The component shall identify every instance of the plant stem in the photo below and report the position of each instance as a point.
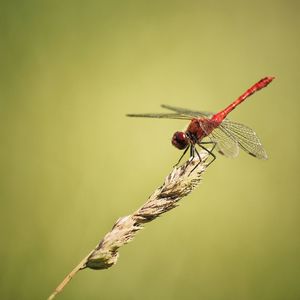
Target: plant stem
(67, 279)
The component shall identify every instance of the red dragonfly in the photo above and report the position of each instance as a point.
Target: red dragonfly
(225, 135)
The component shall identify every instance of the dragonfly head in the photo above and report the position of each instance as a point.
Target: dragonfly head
(180, 140)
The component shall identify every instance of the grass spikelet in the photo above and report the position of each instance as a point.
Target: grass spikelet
(178, 184)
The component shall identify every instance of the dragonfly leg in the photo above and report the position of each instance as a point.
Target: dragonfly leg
(192, 152)
(192, 155)
(209, 151)
(195, 150)
(209, 143)
(186, 149)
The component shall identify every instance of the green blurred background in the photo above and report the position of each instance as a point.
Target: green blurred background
(72, 163)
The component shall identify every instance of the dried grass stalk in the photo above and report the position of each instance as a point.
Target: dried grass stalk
(178, 184)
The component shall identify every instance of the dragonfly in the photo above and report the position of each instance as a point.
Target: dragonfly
(206, 128)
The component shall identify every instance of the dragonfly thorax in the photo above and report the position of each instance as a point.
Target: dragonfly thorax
(180, 140)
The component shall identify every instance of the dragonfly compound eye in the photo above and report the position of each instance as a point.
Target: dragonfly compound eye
(180, 140)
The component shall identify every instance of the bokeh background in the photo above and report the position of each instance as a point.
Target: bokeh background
(72, 163)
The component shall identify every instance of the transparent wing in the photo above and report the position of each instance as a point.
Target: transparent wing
(225, 144)
(245, 137)
(179, 113)
(188, 112)
(161, 116)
